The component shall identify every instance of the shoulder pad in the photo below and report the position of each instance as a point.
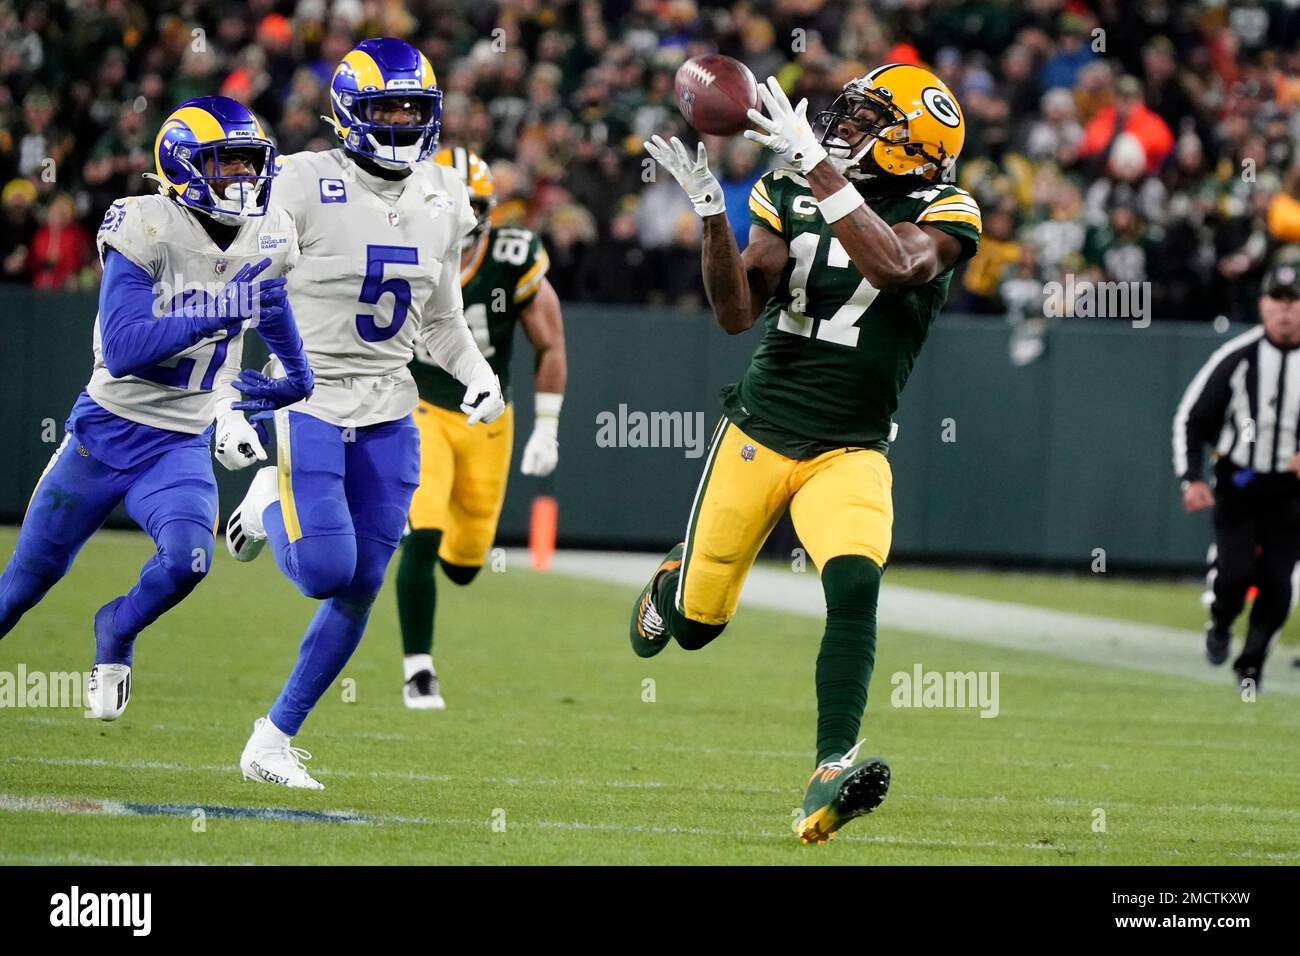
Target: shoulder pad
(132, 226)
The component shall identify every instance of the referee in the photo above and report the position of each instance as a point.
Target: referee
(1245, 402)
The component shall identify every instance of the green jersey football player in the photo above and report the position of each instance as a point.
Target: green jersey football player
(851, 249)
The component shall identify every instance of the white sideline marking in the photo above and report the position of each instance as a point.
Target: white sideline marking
(1077, 637)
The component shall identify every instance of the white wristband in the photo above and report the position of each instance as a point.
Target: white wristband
(840, 203)
(547, 404)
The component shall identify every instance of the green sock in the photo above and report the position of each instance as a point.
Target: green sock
(848, 652)
(417, 594)
(691, 635)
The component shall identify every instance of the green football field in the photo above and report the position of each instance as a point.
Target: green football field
(550, 751)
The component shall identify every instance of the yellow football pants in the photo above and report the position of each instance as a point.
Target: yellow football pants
(463, 474)
(841, 503)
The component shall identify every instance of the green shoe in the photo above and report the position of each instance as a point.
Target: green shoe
(841, 791)
(648, 632)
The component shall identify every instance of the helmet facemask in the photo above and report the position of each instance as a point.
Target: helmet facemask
(242, 191)
(871, 121)
(371, 132)
(482, 206)
(235, 175)
(855, 120)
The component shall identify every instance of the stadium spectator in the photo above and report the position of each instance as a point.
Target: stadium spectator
(998, 252)
(40, 145)
(119, 158)
(60, 248)
(17, 228)
(1071, 55)
(739, 171)
(1128, 116)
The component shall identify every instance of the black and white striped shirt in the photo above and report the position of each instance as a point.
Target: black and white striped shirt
(1245, 401)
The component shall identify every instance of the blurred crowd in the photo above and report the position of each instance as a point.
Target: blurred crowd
(1146, 140)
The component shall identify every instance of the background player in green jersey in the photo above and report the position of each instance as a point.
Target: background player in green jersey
(850, 253)
(464, 471)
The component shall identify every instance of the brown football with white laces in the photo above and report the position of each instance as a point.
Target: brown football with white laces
(715, 93)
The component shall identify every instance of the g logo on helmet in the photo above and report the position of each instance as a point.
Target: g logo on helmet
(941, 106)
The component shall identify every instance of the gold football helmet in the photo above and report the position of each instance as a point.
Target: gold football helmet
(899, 119)
(477, 178)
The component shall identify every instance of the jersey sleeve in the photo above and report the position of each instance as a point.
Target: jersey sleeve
(131, 227)
(955, 212)
(530, 280)
(763, 209)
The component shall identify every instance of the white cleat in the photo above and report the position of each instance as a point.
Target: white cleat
(273, 761)
(108, 691)
(245, 533)
(422, 692)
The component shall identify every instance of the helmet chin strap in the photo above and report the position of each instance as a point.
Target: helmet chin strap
(847, 166)
(231, 210)
(413, 151)
(231, 215)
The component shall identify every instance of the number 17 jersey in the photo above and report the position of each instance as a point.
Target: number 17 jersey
(836, 351)
(379, 258)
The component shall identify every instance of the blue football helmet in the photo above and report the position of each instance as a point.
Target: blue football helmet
(195, 139)
(391, 72)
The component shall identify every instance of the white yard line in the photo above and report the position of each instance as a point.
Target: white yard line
(1076, 637)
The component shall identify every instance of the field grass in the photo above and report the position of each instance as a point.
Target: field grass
(547, 730)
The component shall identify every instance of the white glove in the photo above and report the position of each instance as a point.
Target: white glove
(483, 401)
(237, 443)
(701, 186)
(542, 453)
(788, 133)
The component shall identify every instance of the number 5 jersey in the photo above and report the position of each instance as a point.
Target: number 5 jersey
(380, 267)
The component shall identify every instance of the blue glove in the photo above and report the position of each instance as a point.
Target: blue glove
(258, 422)
(240, 300)
(262, 394)
(279, 331)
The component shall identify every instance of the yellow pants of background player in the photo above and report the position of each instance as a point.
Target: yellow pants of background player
(841, 503)
(463, 474)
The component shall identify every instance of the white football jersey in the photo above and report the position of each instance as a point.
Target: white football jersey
(164, 239)
(379, 258)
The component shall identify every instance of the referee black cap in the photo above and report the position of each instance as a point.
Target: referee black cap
(1282, 281)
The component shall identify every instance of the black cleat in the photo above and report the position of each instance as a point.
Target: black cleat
(842, 791)
(422, 692)
(1217, 641)
(648, 631)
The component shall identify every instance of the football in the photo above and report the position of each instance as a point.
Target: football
(715, 94)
